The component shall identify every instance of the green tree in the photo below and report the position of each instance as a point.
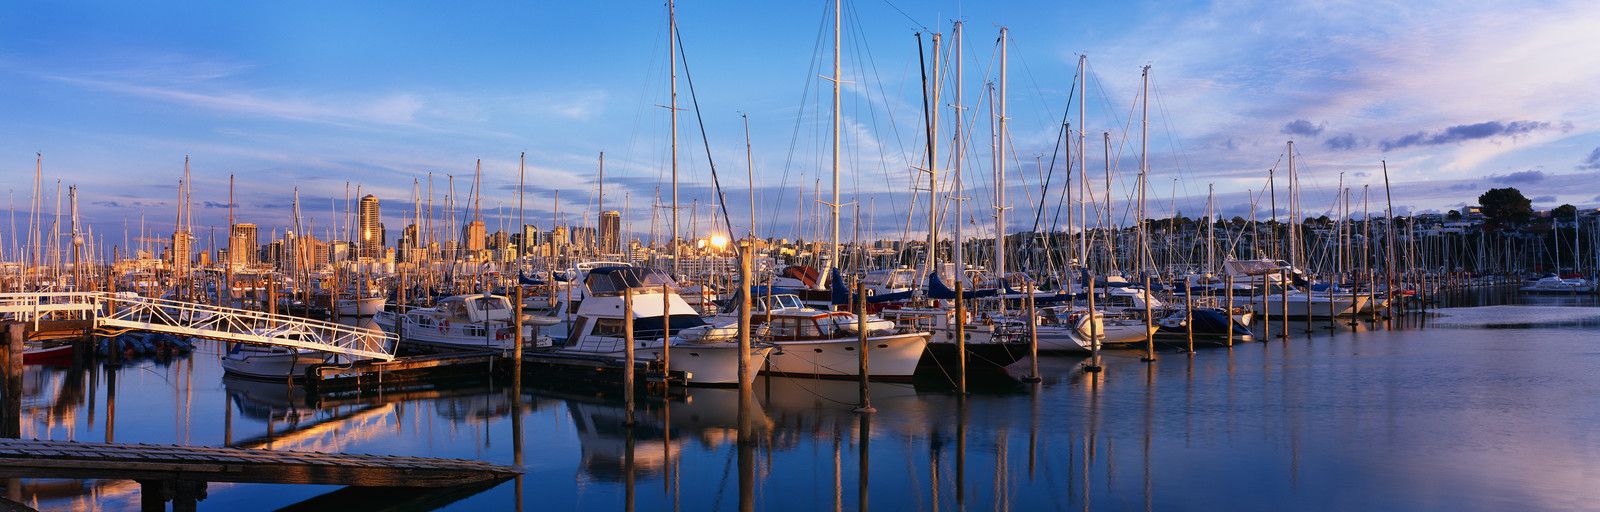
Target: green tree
(1565, 211)
(1504, 207)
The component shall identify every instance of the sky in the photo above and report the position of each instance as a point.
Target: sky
(312, 97)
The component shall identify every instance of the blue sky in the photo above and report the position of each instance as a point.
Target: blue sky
(1458, 97)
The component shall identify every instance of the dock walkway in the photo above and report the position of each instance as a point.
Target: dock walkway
(180, 473)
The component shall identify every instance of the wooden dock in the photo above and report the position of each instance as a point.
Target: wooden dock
(180, 473)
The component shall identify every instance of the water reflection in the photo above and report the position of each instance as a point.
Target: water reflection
(1412, 414)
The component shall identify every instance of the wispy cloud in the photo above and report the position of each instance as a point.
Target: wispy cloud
(1465, 132)
(1303, 127)
(1592, 162)
(1519, 177)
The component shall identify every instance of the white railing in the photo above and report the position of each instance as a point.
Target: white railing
(128, 311)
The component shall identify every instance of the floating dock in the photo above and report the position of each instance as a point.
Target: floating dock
(179, 473)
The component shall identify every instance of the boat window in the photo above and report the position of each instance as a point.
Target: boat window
(457, 309)
(489, 303)
(608, 327)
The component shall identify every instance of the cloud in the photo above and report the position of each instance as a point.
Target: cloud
(1465, 132)
(1344, 142)
(214, 204)
(1519, 177)
(1544, 199)
(1592, 162)
(1303, 127)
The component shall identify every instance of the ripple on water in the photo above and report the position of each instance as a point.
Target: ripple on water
(1513, 316)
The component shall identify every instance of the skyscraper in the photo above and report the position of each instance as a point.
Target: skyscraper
(369, 230)
(242, 248)
(611, 232)
(476, 237)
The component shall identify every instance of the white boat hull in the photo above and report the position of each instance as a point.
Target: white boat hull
(892, 357)
(369, 306)
(271, 365)
(1319, 307)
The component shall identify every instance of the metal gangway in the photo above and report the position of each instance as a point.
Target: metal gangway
(122, 312)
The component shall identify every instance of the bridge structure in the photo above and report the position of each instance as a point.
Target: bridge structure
(109, 313)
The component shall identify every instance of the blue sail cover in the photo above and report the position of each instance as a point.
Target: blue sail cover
(938, 290)
(838, 292)
(527, 281)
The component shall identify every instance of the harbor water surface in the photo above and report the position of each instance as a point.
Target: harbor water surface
(1456, 414)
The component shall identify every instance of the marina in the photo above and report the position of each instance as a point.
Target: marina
(597, 256)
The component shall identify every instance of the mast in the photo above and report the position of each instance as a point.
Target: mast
(1000, 170)
(600, 186)
(1144, 167)
(833, 207)
(749, 174)
(672, 106)
(1111, 231)
(956, 257)
(1294, 245)
(1083, 172)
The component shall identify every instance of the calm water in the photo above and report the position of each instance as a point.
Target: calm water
(1452, 417)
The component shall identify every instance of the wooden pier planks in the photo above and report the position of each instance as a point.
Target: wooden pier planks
(65, 459)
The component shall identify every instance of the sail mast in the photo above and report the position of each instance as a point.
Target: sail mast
(956, 258)
(1083, 170)
(1000, 171)
(672, 107)
(833, 207)
(1144, 168)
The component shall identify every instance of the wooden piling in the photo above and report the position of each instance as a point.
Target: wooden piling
(1283, 298)
(961, 340)
(865, 403)
(1227, 313)
(1149, 340)
(1266, 308)
(11, 422)
(666, 330)
(1094, 333)
(627, 355)
(1188, 312)
(1033, 338)
(746, 281)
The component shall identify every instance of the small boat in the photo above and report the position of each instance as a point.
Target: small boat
(272, 361)
(1554, 284)
(460, 322)
(709, 356)
(50, 353)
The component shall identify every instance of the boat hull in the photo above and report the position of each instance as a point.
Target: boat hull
(892, 358)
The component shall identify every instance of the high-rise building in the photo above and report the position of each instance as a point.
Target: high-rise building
(530, 239)
(611, 232)
(242, 253)
(476, 237)
(410, 250)
(182, 248)
(369, 229)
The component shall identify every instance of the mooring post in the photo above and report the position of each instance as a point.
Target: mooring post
(1094, 332)
(1149, 337)
(627, 354)
(746, 282)
(1333, 323)
(1227, 312)
(1266, 307)
(12, 422)
(1188, 311)
(1310, 291)
(865, 403)
(1033, 338)
(961, 340)
(666, 334)
(1283, 298)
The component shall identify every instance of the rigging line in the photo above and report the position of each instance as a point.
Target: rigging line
(694, 98)
(799, 118)
(1177, 145)
(914, 22)
(1061, 134)
(863, 46)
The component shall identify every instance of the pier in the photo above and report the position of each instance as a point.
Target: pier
(179, 473)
